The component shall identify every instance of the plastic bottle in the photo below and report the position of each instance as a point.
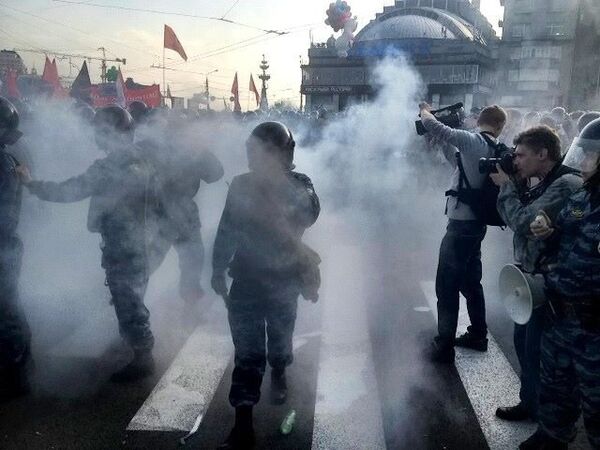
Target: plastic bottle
(288, 422)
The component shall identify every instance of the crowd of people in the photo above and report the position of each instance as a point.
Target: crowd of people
(142, 205)
(548, 194)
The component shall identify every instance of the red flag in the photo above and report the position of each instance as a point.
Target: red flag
(253, 89)
(171, 42)
(235, 90)
(50, 75)
(11, 85)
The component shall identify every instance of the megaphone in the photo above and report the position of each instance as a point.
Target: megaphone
(521, 293)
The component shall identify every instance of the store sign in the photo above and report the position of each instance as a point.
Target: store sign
(335, 89)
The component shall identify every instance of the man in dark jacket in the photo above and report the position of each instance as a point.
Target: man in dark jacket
(121, 202)
(14, 331)
(259, 240)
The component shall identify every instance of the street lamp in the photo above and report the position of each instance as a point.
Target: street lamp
(207, 92)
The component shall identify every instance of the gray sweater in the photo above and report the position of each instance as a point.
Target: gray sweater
(472, 147)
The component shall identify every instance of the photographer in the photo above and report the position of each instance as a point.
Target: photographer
(537, 155)
(570, 349)
(459, 269)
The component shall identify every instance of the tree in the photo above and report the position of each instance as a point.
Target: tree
(112, 74)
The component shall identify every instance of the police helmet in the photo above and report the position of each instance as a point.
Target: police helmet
(113, 127)
(9, 123)
(138, 110)
(114, 117)
(271, 138)
(584, 154)
(587, 118)
(85, 111)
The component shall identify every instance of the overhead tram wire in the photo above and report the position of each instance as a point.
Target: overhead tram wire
(230, 9)
(87, 33)
(171, 13)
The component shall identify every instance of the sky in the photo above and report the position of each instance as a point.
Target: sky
(210, 45)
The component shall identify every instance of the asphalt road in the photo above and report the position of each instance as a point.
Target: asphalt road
(359, 379)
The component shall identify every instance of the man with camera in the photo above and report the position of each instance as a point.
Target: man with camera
(570, 349)
(459, 268)
(537, 156)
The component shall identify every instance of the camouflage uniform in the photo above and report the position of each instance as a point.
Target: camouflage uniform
(121, 203)
(180, 177)
(260, 228)
(570, 371)
(518, 211)
(14, 331)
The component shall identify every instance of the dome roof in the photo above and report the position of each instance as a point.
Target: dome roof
(416, 23)
(406, 27)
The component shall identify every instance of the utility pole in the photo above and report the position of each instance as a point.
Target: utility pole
(264, 102)
(207, 93)
(301, 96)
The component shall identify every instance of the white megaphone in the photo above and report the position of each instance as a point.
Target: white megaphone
(521, 293)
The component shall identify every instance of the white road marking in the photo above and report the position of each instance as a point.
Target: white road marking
(490, 381)
(347, 409)
(182, 396)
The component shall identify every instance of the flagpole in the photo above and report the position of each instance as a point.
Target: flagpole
(164, 79)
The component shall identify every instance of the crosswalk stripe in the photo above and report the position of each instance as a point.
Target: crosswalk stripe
(182, 396)
(490, 381)
(347, 410)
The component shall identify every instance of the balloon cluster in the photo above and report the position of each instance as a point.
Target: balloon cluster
(338, 14)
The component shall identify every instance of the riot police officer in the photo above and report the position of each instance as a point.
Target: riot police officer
(120, 188)
(181, 172)
(14, 331)
(258, 239)
(570, 362)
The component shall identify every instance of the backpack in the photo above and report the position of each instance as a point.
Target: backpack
(482, 201)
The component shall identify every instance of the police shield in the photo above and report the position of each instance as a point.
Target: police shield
(521, 293)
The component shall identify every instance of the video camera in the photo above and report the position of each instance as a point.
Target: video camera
(505, 159)
(451, 116)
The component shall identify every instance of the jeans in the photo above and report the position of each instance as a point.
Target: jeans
(527, 339)
(459, 271)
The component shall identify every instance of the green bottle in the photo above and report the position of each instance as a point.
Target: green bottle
(288, 423)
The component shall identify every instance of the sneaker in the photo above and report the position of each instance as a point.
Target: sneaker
(440, 353)
(141, 367)
(542, 441)
(278, 387)
(515, 413)
(469, 340)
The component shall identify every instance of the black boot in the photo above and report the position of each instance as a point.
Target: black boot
(541, 441)
(142, 366)
(278, 387)
(472, 341)
(14, 382)
(515, 413)
(441, 352)
(242, 434)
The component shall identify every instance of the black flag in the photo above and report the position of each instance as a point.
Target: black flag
(80, 89)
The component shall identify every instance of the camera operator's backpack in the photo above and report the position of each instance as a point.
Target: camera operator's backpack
(482, 201)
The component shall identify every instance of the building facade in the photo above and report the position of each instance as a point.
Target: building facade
(455, 57)
(548, 55)
(11, 61)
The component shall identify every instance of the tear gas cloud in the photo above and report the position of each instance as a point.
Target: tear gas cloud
(378, 185)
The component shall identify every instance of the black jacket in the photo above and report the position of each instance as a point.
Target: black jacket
(262, 225)
(11, 190)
